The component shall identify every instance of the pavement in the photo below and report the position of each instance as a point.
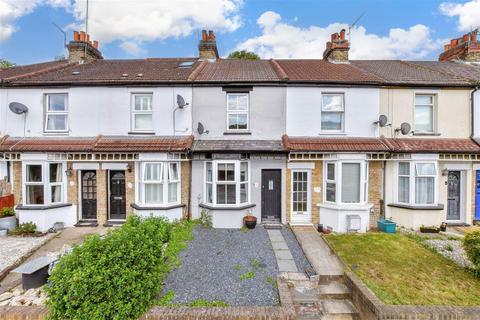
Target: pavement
(65, 238)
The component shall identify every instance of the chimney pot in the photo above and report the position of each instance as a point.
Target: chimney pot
(88, 38)
(82, 36)
(76, 36)
(337, 49)
(473, 36)
(207, 47)
(342, 34)
(204, 35)
(95, 44)
(454, 43)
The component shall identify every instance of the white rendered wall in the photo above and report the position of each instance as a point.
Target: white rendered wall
(44, 219)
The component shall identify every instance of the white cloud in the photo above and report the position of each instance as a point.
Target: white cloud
(132, 22)
(283, 40)
(136, 21)
(133, 48)
(468, 13)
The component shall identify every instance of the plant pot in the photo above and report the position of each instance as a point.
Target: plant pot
(429, 230)
(320, 227)
(443, 227)
(250, 222)
(8, 223)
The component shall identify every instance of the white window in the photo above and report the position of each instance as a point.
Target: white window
(44, 183)
(300, 192)
(160, 183)
(237, 111)
(424, 112)
(56, 112)
(416, 183)
(142, 112)
(227, 182)
(333, 112)
(346, 182)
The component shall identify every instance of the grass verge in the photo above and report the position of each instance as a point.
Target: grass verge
(399, 270)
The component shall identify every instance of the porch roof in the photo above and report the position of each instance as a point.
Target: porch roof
(238, 145)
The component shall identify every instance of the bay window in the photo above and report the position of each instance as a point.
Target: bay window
(56, 113)
(160, 183)
(333, 109)
(416, 182)
(346, 182)
(43, 183)
(227, 182)
(142, 112)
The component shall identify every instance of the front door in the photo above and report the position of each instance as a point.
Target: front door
(89, 195)
(117, 205)
(271, 194)
(454, 195)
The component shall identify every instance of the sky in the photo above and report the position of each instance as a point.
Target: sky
(129, 29)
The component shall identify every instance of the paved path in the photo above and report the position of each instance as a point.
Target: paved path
(284, 257)
(325, 263)
(68, 237)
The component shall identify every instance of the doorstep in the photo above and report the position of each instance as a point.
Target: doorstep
(114, 223)
(86, 223)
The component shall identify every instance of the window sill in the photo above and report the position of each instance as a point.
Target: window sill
(149, 133)
(228, 133)
(333, 133)
(42, 207)
(56, 133)
(222, 207)
(417, 207)
(426, 134)
(345, 206)
(167, 207)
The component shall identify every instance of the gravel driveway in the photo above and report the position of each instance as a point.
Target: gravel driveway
(230, 265)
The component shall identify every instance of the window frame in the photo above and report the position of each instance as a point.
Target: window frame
(237, 112)
(48, 112)
(237, 182)
(47, 185)
(134, 112)
(165, 181)
(363, 183)
(342, 129)
(308, 173)
(432, 105)
(413, 183)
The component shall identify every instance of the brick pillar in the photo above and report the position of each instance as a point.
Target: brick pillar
(102, 195)
(375, 190)
(17, 181)
(72, 185)
(130, 188)
(317, 197)
(288, 196)
(185, 186)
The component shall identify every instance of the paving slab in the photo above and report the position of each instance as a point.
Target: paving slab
(279, 246)
(283, 255)
(338, 307)
(287, 266)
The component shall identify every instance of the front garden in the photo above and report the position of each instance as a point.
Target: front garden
(403, 270)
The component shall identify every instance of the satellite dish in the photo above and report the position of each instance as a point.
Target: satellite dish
(405, 128)
(201, 129)
(181, 102)
(382, 120)
(18, 108)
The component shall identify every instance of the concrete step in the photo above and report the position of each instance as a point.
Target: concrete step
(330, 277)
(304, 295)
(272, 226)
(334, 290)
(338, 309)
(307, 312)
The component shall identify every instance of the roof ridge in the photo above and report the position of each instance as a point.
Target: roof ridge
(278, 69)
(194, 74)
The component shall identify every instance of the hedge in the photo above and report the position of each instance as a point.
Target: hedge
(116, 277)
(471, 243)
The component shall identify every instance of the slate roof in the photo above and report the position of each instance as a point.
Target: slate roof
(396, 72)
(116, 72)
(382, 144)
(237, 145)
(97, 144)
(16, 72)
(233, 70)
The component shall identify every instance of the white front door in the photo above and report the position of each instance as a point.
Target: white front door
(301, 198)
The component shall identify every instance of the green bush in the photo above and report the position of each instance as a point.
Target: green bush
(24, 229)
(471, 244)
(116, 277)
(7, 212)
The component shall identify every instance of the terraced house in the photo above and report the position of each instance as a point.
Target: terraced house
(332, 141)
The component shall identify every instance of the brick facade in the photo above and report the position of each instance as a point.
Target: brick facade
(185, 169)
(130, 188)
(72, 185)
(102, 197)
(17, 182)
(375, 190)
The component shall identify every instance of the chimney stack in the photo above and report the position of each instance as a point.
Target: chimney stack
(337, 48)
(81, 49)
(207, 48)
(465, 48)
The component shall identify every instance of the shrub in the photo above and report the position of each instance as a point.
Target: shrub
(7, 212)
(471, 243)
(26, 228)
(205, 219)
(116, 277)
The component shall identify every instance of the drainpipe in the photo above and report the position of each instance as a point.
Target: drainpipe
(472, 103)
(384, 189)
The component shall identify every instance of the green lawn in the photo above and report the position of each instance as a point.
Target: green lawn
(401, 271)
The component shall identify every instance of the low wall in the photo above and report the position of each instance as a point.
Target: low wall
(7, 201)
(285, 311)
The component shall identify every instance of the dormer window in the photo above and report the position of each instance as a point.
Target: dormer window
(142, 112)
(237, 111)
(56, 113)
